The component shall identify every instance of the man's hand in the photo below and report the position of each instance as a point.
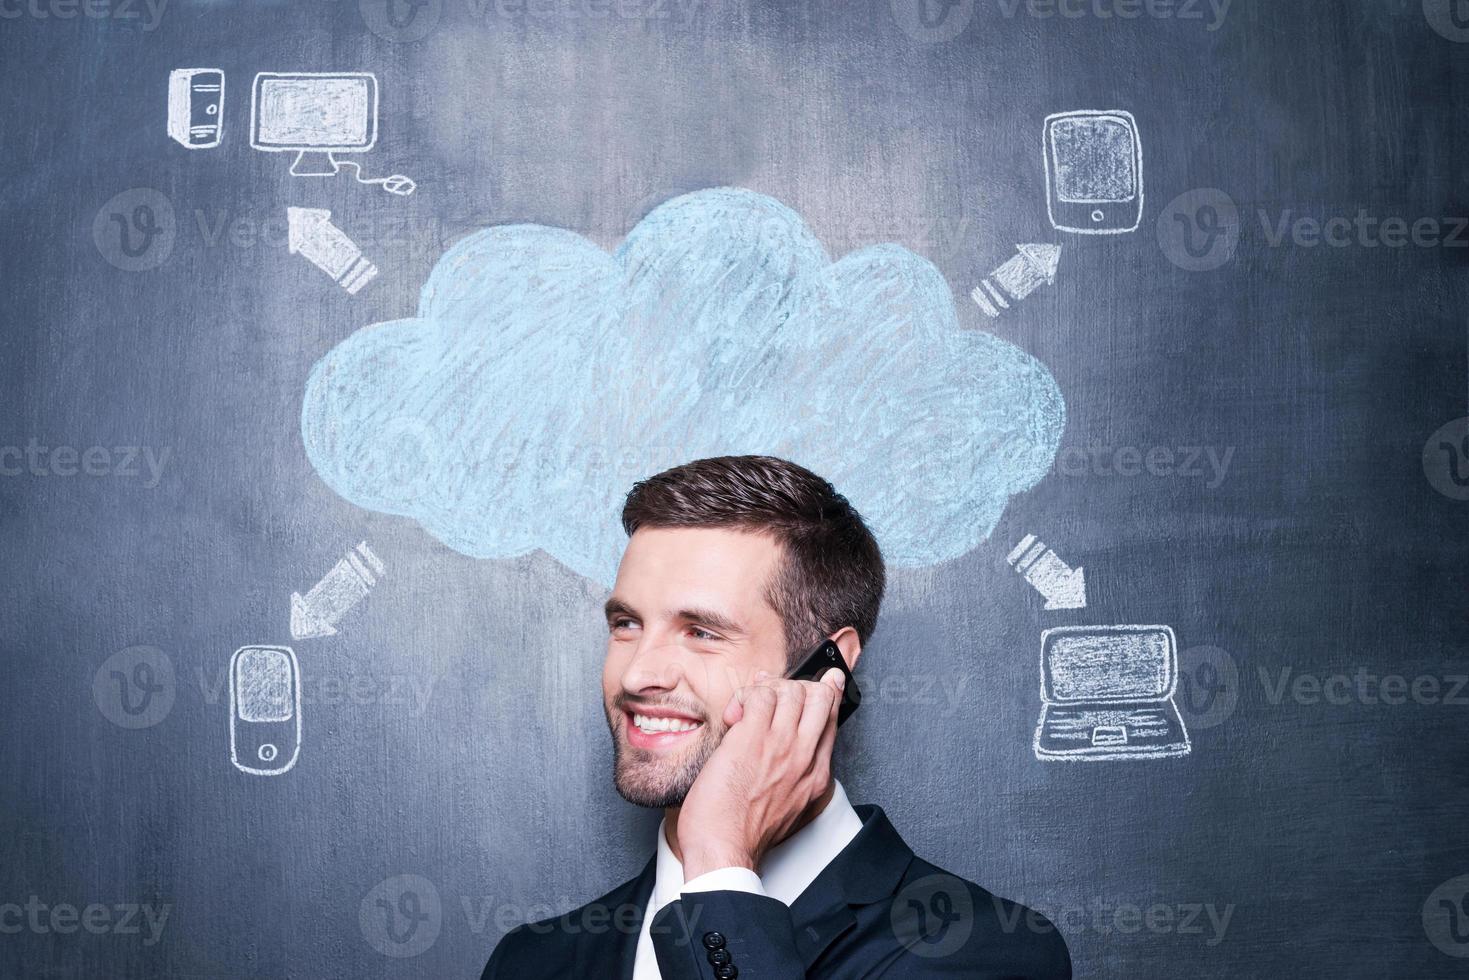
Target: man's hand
(773, 763)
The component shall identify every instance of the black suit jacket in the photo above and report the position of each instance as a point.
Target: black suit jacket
(877, 910)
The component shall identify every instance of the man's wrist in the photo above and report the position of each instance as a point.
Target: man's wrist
(700, 858)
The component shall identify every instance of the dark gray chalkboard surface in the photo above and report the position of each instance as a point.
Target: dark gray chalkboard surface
(1263, 447)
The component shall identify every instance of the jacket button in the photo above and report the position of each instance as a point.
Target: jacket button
(713, 940)
(726, 972)
(718, 957)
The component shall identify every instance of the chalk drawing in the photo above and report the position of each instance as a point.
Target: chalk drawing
(317, 115)
(310, 233)
(1062, 586)
(1033, 267)
(1094, 172)
(550, 375)
(1107, 693)
(348, 583)
(196, 107)
(265, 710)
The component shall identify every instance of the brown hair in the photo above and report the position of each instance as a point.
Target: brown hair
(832, 574)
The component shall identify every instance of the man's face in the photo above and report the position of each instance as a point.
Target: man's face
(688, 623)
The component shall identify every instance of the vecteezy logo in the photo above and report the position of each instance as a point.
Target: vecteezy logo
(932, 21)
(401, 916)
(1199, 229)
(134, 688)
(1208, 686)
(1446, 459)
(933, 916)
(1446, 917)
(1450, 18)
(1456, 453)
(135, 230)
(401, 20)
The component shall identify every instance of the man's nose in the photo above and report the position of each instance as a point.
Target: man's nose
(657, 664)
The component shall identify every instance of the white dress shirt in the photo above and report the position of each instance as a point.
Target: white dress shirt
(786, 871)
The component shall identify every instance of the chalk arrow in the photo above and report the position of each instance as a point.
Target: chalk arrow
(1062, 586)
(1033, 267)
(310, 232)
(348, 583)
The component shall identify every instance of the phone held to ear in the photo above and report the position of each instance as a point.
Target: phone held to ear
(817, 663)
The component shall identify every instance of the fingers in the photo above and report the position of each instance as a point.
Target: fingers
(734, 711)
(804, 711)
(790, 702)
(823, 699)
(825, 724)
(829, 732)
(758, 706)
(771, 702)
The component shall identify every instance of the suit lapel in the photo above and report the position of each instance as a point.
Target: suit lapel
(637, 893)
(819, 920)
(867, 870)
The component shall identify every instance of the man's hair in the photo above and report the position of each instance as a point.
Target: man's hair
(831, 572)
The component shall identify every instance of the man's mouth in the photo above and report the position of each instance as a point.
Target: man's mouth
(659, 731)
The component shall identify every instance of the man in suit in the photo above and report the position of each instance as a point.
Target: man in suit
(735, 568)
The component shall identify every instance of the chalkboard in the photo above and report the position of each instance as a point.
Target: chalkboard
(1135, 327)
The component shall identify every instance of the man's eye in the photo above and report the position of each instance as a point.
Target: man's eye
(700, 633)
(622, 623)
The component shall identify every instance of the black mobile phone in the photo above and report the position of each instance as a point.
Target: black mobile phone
(817, 663)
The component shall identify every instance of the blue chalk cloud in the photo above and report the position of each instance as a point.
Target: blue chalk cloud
(544, 376)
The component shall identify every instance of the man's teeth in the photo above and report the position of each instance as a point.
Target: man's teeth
(664, 724)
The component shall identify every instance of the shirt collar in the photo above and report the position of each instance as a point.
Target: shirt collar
(788, 868)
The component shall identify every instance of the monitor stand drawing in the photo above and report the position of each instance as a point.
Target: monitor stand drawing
(314, 163)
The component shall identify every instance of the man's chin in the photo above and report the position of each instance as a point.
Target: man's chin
(649, 793)
(659, 783)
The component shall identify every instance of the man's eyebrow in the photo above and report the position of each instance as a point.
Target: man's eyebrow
(712, 619)
(616, 607)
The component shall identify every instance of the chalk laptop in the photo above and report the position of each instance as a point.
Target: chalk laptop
(1108, 694)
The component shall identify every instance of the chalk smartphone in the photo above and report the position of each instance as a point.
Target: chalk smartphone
(265, 710)
(818, 662)
(1094, 172)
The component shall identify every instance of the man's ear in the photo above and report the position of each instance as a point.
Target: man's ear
(850, 644)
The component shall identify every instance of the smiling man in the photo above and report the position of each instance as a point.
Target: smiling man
(735, 568)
